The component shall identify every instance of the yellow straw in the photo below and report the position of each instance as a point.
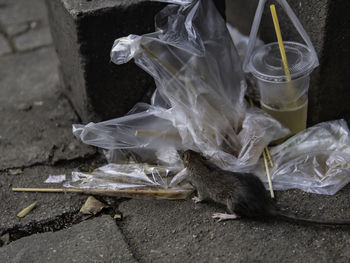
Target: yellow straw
(280, 41)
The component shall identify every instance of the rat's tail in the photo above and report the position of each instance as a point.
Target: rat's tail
(294, 218)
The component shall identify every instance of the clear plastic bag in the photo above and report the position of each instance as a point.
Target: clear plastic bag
(316, 160)
(133, 180)
(199, 101)
(241, 41)
(121, 176)
(199, 105)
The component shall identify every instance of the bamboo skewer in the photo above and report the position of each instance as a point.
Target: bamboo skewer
(165, 65)
(48, 190)
(251, 103)
(159, 194)
(100, 191)
(267, 157)
(27, 210)
(268, 175)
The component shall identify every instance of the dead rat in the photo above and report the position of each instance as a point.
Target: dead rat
(243, 194)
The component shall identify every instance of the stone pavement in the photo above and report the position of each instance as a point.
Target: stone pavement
(36, 141)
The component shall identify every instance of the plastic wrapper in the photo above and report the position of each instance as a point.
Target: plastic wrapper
(54, 179)
(316, 160)
(199, 101)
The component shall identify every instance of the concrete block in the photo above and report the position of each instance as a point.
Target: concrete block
(83, 33)
(326, 23)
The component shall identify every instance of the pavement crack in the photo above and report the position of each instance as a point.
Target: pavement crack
(137, 257)
(57, 223)
(29, 50)
(22, 167)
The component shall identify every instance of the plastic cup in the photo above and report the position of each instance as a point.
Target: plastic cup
(284, 97)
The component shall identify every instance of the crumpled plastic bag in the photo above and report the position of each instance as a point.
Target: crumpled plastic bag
(133, 180)
(199, 101)
(121, 176)
(241, 41)
(316, 160)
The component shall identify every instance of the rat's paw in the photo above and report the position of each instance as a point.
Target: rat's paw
(196, 199)
(224, 216)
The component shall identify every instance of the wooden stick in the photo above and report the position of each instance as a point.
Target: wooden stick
(269, 157)
(48, 190)
(26, 210)
(268, 175)
(266, 152)
(165, 65)
(100, 191)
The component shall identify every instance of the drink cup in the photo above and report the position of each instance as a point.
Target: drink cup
(284, 97)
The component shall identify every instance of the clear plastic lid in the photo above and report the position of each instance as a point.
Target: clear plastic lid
(266, 61)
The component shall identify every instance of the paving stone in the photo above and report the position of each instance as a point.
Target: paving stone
(28, 76)
(19, 11)
(45, 128)
(4, 46)
(45, 132)
(97, 240)
(33, 38)
(181, 231)
(15, 29)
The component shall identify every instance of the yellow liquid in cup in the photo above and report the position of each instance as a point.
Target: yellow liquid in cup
(292, 118)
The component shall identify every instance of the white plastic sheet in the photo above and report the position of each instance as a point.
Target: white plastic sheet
(316, 160)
